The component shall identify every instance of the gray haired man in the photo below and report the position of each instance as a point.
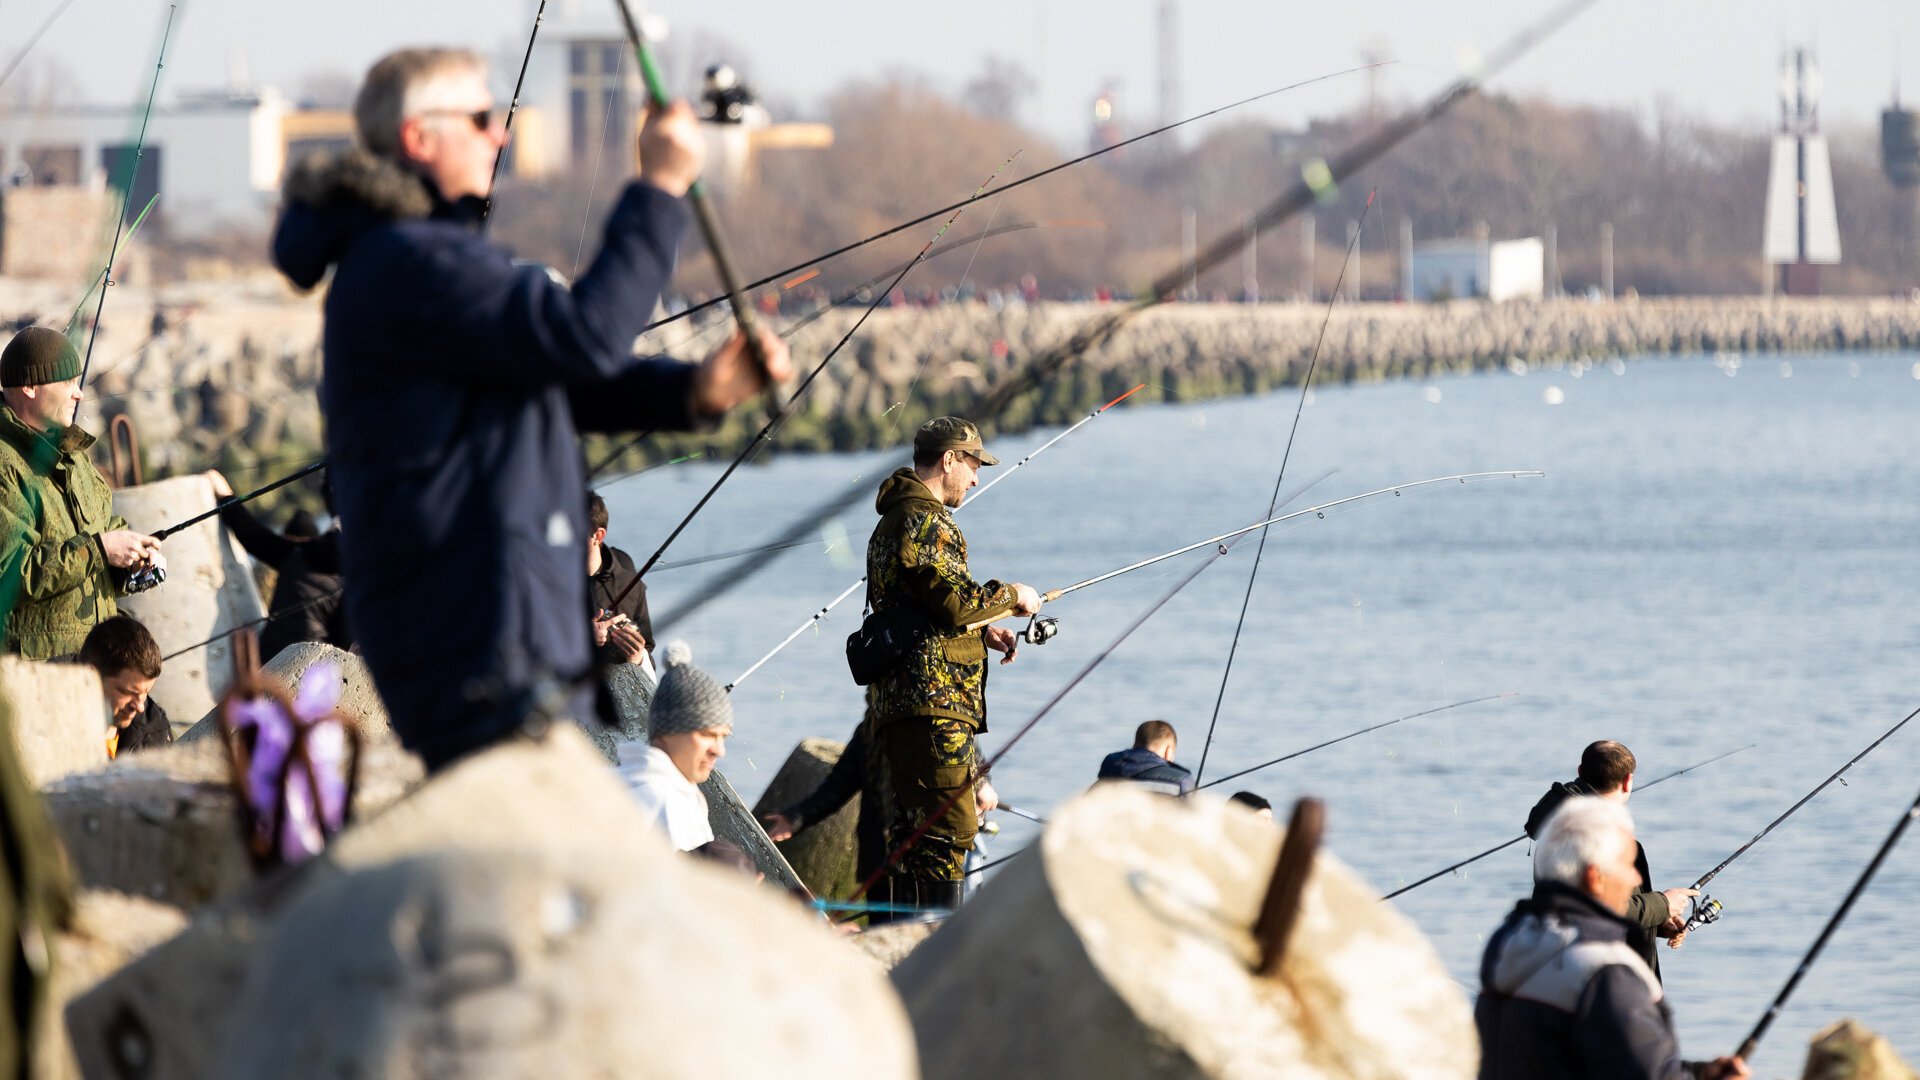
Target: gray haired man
(1562, 994)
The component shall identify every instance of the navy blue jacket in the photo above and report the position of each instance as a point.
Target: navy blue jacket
(1563, 994)
(1147, 767)
(455, 383)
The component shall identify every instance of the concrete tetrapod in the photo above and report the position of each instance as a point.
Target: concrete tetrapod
(59, 717)
(825, 854)
(1123, 948)
(512, 956)
(209, 590)
(359, 702)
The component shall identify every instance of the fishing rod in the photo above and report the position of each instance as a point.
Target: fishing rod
(1819, 943)
(847, 297)
(1507, 844)
(817, 616)
(1317, 178)
(1318, 511)
(703, 212)
(251, 623)
(1705, 908)
(933, 214)
(126, 197)
(238, 499)
(780, 416)
(101, 278)
(966, 790)
(1355, 735)
(34, 40)
(1273, 504)
(513, 108)
(1009, 808)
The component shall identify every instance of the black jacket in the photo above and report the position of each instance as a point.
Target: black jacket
(1563, 995)
(1147, 767)
(1647, 909)
(456, 382)
(616, 572)
(306, 588)
(148, 730)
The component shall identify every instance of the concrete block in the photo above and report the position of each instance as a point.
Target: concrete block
(163, 824)
(209, 590)
(727, 812)
(1123, 947)
(889, 944)
(359, 701)
(108, 932)
(1844, 1050)
(60, 717)
(825, 855)
(542, 962)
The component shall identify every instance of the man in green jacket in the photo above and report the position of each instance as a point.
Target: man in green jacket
(922, 716)
(63, 552)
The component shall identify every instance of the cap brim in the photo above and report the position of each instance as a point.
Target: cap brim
(985, 458)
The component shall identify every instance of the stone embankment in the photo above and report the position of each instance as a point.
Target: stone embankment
(229, 378)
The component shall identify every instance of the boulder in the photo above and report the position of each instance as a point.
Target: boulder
(1844, 1050)
(825, 855)
(107, 932)
(359, 702)
(209, 590)
(60, 717)
(544, 962)
(891, 943)
(163, 824)
(1124, 948)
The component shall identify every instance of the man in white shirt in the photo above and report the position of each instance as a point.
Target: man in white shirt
(687, 731)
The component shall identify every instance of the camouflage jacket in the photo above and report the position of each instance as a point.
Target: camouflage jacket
(55, 584)
(917, 558)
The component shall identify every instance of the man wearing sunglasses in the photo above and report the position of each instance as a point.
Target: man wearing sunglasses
(456, 383)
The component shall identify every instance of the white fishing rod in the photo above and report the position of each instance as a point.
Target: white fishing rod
(851, 589)
(1318, 511)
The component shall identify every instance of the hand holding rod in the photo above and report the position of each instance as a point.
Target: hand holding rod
(703, 212)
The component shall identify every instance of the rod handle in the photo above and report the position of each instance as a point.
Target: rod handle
(1280, 909)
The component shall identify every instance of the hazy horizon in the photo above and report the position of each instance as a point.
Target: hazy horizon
(1717, 60)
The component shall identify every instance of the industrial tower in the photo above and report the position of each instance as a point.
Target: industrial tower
(1900, 158)
(1803, 231)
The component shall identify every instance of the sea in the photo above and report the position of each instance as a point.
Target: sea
(1720, 556)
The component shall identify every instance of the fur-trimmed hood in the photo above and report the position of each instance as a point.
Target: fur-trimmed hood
(330, 197)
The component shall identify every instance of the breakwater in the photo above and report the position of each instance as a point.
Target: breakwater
(225, 375)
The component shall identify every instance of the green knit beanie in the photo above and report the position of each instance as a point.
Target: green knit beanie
(36, 356)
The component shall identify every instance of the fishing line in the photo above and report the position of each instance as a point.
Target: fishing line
(249, 624)
(931, 215)
(780, 415)
(593, 175)
(34, 40)
(1306, 385)
(966, 790)
(1317, 178)
(1509, 843)
(1351, 735)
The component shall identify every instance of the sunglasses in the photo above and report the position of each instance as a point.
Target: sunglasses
(481, 119)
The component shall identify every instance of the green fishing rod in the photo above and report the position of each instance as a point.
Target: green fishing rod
(743, 314)
(126, 197)
(1471, 859)
(1317, 179)
(1705, 908)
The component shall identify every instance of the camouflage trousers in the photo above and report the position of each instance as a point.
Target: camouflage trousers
(918, 764)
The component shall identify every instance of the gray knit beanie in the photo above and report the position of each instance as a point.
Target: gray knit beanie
(687, 698)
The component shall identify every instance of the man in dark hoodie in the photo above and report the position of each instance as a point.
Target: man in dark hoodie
(1606, 772)
(1562, 994)
(1150, 762)
(306, 586)
(124, 654)
(622, 628)
(456, 382)
(923, 714)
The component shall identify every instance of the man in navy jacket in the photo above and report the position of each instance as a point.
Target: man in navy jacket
(456, 383)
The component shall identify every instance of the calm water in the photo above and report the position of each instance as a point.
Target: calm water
(1716, 556)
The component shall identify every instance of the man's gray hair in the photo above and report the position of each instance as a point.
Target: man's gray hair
(383, 103)
(1584, 832)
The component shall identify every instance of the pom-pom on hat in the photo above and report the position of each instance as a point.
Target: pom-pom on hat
(687, 698)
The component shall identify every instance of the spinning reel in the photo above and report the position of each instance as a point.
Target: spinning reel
(1705, 910)
(147, 578)
(1040, 630)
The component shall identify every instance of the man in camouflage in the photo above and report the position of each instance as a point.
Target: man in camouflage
(64, 554)
(922, 716)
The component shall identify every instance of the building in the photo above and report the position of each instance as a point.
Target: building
(1459, 269)
(1802, 228)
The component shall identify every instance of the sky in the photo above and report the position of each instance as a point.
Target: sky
(1716, 59)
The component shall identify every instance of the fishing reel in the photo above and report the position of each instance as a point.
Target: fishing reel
(1705, 910)
(1040, 630)
(150, 577)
